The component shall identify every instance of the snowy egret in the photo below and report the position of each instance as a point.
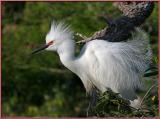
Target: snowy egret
(102, 64)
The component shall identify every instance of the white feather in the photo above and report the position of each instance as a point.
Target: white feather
(115, 65)
(59, 31)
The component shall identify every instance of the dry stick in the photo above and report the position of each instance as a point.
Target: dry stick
(80, 35)
(96, 35)
(146, 94)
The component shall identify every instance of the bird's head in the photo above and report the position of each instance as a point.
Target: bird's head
(58, 34)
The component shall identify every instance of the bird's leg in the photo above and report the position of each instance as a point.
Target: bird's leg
(92, 103)
(88, 112)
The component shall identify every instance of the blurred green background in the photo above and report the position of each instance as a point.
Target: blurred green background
(42, 86)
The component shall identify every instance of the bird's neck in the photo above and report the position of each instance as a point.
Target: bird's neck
(66, 53)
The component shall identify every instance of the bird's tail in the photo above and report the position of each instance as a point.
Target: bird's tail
(140, 39)
(140, 44)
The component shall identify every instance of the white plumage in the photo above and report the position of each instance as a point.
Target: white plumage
(115, 65)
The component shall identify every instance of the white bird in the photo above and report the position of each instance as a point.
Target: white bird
(102, 64)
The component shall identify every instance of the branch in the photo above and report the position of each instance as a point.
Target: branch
(134, 14)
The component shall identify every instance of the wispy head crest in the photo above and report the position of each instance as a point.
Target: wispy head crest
(60, 31)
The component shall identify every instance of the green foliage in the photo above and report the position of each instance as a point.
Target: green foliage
(41, 86)
(110, 104)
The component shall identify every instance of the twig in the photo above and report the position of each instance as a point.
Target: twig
(96, 35)
(80, 35)
(146, 94)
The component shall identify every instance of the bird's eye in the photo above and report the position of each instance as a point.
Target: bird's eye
(50, 43)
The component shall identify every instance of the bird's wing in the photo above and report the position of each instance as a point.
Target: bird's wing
(117, 65)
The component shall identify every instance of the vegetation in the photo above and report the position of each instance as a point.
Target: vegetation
(41, 86)
(110, 104)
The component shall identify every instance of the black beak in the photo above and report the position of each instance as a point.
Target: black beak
(42, 48)
(39, 49)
